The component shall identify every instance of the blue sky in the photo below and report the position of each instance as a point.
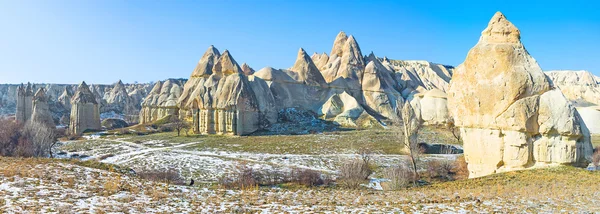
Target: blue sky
(102, 41)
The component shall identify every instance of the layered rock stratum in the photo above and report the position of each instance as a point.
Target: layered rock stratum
(510, 114)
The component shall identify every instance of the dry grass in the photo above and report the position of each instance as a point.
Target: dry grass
(378, 141)
(596, 140)
(560, 189)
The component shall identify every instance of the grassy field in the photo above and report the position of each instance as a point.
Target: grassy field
(376, 141)
(596, 140)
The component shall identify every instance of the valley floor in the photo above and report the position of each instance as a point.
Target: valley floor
(206, 158)
(64, 186)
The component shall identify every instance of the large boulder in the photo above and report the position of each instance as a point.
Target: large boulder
(511, 116)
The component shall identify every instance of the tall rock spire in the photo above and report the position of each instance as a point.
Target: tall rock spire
(206, 63)
(338, 44)
(307, 70)
(226, 65)
(41, 112)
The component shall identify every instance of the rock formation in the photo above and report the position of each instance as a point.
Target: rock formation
(219, 99)
(41, 111)
(510, 115)
(247, 69)
(65, 98)
(24, 103)
(582, 88)
(119, 101)
(161, 101)
(434, 107)
(85, 113)
(345, 87)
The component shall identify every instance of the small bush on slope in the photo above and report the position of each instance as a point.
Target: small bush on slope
(354, 172)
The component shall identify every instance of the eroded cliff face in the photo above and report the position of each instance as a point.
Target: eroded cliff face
(161, 100)
(582, 88)
(113, 102)
(511, 116)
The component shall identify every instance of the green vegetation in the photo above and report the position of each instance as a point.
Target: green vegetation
(596, 140)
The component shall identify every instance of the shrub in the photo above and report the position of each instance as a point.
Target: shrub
(398, 177)
(33, 139)
(170, 176)
(354, 172)
(460, 170)
(244, 178)
(10, 133)
(309, 177)
(166, 128)
(440, 169)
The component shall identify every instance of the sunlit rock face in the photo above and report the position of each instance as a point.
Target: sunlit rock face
(85, 111)
(511, 116)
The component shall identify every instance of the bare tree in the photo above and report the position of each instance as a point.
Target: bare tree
(452, 128)
(411, 123)
(42, 138)
(178, 124)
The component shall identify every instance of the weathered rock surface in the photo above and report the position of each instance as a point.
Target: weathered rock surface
(161, 101)
(41, 111)
(581, 87)
(85, 112)
(119, 101)
(591, 118)
(434, 107)
(511, 116)
(247, 69)
(59, 98)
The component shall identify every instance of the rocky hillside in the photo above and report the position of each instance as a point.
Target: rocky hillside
(345, 87)
(117, 100)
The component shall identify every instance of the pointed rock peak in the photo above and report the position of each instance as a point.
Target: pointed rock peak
(40, 94)
(226, 65)
(352, 41)
(341, 35)
(83, 84)
(372, 57)
(119, 86)
(212, 51)
(338, 44)
(83, 94)
(353, 53)
(247, 69)
(307, 70)
(500, 30)
(156, 88)
(67, 92)
(302, 60)
(302, 53)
